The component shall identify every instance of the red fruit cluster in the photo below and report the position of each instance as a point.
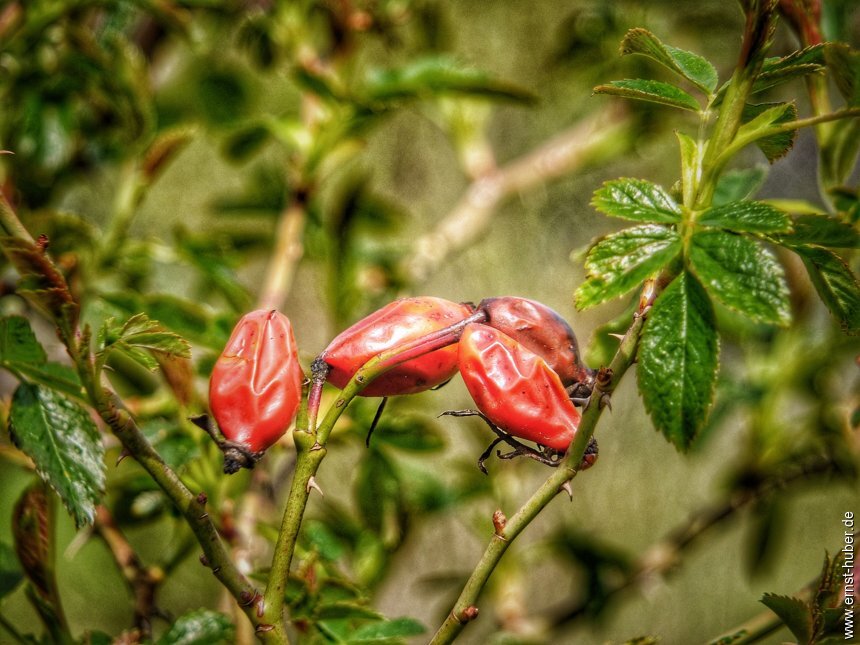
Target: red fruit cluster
(516, 357)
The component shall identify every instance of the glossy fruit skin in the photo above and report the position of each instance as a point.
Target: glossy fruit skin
(397, 322)
(541, 330)
(256, 384)
(515, 388)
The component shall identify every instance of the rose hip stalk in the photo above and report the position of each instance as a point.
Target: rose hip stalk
(256, 386)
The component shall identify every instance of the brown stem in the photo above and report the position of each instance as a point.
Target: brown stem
(285, 257)
(142, 581)
(473, 213)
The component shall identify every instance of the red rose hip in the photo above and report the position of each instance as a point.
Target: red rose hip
(256, 384)
(515, 388)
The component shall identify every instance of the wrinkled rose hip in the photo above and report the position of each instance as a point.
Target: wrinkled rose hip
(256, 385)
(515, 388)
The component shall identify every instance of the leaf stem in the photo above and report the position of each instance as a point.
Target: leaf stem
(464, 609)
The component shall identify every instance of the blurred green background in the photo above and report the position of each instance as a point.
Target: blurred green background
(265, 100)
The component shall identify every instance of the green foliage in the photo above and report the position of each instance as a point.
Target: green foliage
(678, 360)
(62, 440)
(198, 628)
(691, 66)
(650, 91)
(637, 200)
(141, 339)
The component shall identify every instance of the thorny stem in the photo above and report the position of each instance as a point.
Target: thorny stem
(665, 555)
(464, 609)
(121, 423)
(310, 447)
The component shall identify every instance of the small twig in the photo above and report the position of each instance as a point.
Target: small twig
(142, 581)
(473, 213)
(665, 555)
(288, 250)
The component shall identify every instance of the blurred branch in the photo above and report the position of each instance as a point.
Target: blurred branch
(751, 631)
(287, 252)
(473, 213)
(666, 554)
(142, 581)
(465, 610)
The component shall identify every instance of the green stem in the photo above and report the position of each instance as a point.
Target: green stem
(752, 631)
(464, 609)
(10, 224)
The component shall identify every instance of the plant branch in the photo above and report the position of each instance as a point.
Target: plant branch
(666, 554)
(288, 250)
(506, 531)
(142, 581)
(473, 213)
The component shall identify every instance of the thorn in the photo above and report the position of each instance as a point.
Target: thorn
(620, 337)
(312, 484)
(261, 607)
(122, 455)
(567, 489)
(605, 401)
(264, 628)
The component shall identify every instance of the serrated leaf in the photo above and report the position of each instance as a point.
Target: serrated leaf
(743, 274)
(693, 67)
(56, 376)
(794, 613)
(651, 91)
(746, 216)
(438, 76)
(820, 230)
(835, 283)
(141, 339)
(62, 440)
(387, 630)
(10, 570)
(758, 118)
(637, 200)
(678, 356)
(201, 627)
(621, 261)
(775, 71)
(735, 185)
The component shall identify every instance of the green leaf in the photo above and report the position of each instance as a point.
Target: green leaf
(820, 230)
(430, 77)
(836, 285)
(409, 432)
(757, 121)
(18, 343)
(652, 91)
(201, 627)
(140, 339)
(10, 570)
(378, 489)
(793, 612)
(775, 71)
(678, 354)
(742, 274)
(621, 261)
(843, 63)
(736, 185)
(323, 540)
(746, 216)
(637, 200)
(346, 610)
(21, 353)
(693, 67)
(62, 440)
(377, 632)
